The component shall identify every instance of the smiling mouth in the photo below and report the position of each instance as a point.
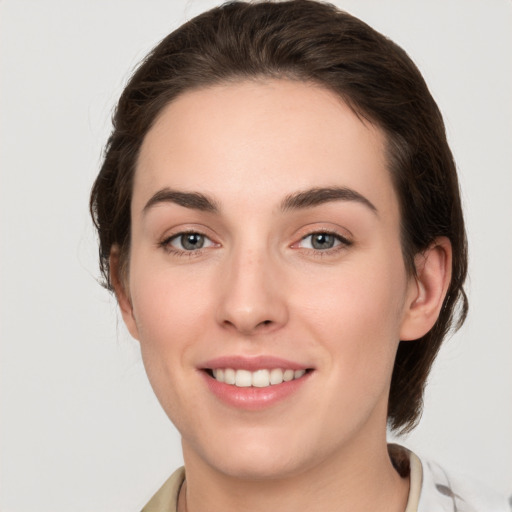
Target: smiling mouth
(258, 379)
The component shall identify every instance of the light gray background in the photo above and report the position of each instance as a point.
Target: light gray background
(80, 427)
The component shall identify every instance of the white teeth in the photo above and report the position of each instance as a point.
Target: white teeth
(276, 376)
(297, 374)
(229, 376)
(288, 375)
(261, 378)
(243, 379)
(258, 379)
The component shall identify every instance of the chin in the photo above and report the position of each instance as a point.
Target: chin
(247, 466)
(254, 455)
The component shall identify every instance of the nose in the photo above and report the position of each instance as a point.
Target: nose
(253, 294)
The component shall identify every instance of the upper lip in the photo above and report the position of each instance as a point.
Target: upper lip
(252, 363)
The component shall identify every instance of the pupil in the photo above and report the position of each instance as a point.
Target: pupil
(192, 241)
(322, 241)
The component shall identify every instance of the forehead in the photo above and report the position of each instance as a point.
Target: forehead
(260, 140)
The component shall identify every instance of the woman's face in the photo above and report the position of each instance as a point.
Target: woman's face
(265, 246)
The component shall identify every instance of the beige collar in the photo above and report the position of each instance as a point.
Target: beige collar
(166, 498)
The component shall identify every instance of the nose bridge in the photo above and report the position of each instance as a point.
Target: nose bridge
(252, 300)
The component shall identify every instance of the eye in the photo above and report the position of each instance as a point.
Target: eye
(322, 241)
(187, 242)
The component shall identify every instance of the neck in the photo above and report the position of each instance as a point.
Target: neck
(349, 481)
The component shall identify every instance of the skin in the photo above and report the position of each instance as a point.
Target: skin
(259, 287)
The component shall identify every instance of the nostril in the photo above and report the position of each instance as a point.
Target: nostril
(249, 327)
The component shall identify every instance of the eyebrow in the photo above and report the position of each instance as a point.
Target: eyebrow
(193, 200)
(317, 196)
(297, 201)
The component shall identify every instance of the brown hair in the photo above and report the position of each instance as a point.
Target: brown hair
(315, 42)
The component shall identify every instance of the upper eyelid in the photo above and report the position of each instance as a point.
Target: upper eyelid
(343, 238)
(191, 232)
(184, 231)
(325, 226)
(344, 243)
(325, 232)
(187, 232)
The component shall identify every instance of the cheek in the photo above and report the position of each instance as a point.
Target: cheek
(170, 311)
(165, 298)
(356, 314)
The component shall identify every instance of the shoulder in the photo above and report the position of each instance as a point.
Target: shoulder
(443, 491)
(166, 498)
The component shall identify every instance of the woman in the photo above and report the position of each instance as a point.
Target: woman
(279, 217)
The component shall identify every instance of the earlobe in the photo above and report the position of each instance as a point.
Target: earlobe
(428, 289)
(118, 280)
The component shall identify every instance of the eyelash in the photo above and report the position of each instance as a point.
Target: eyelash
(343, 243)
(166, 244)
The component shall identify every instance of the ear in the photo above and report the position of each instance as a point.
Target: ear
(427, 289)
(118, 279)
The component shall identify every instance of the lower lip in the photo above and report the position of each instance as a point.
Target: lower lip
(252, 398)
